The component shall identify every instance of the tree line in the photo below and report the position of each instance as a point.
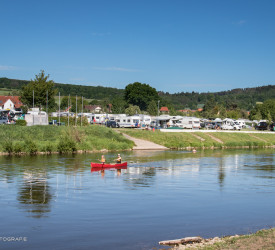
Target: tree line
(142, 98)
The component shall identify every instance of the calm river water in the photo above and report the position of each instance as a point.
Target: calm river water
(56, 202)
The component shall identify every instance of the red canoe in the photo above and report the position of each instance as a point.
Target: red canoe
(106, 165)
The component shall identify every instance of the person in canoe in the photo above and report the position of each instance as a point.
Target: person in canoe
(102, 160)
(118, 160)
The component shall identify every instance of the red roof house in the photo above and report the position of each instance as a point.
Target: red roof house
(164, 110)
(10, 102)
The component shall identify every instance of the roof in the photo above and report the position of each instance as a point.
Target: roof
(15, 99)
(164, 109)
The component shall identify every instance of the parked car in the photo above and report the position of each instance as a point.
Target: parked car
(232, 126)
(112, 124)
(237, 126)
(210, 125)
(4, 120)
(262, 126)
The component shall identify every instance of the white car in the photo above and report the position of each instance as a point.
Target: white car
(232, 126)
(237, 126)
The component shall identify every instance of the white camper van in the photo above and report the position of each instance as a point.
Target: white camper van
(124, 121)
(189, 122)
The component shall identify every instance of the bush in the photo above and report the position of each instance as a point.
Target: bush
(21, 123)
(8, 146)
(18, 147)
(31, 147)
(66, 144)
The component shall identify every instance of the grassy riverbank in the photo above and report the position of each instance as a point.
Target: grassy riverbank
(204, 139)
(263, 239)
(49, 139)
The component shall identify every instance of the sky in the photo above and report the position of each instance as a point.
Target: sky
(172, 45)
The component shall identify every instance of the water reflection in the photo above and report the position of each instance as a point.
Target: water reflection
(161, 194)
(36, 191)
(34, 194)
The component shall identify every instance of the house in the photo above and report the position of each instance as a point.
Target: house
(10, 102)
(164, 110)
(93, 108)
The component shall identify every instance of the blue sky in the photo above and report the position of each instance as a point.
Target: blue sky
(172, 45)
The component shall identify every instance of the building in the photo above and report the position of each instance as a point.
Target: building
(10, 102)
(164, 110)
(93, 108)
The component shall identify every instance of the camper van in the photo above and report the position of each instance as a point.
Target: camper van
(188, 122)
(124, 121)
(98, 118)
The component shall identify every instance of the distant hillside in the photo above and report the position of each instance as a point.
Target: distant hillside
(90, 92)
(243, 98)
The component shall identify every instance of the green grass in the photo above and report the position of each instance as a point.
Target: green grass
(184, 139)
(63, 139)
(263, 239)
(4, 91)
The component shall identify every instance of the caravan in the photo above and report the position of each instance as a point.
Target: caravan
(189, 122)
(124, 121)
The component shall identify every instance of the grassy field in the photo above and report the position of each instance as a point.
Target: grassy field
(18, 139)
(6, 92)
(204, 139)
(263, 239)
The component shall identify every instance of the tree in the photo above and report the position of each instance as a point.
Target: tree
(72, 103)
(43, 90)
(152, 108)
(140, 95)
(132, 110)
(118, 105)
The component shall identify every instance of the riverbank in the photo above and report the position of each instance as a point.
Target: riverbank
(205, 139)
(60, 139)
(88, 139)
(263, 239)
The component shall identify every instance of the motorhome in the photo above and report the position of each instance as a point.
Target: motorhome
(230, 124)
(98, 118)
(145, 120)
(124, 121)
(189, 122)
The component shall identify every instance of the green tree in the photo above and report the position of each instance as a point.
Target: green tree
(118, 105)
(152, 108)
(140, 95)
(132, 110)
(43, 90)
(72, 103)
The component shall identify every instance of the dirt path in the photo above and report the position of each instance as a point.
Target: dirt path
(215, 138)
(144, 145)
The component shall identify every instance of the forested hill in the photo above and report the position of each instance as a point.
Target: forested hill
(90, 92)
(243, 98)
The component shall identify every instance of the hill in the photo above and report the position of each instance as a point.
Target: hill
(244, 98)
(89, 92)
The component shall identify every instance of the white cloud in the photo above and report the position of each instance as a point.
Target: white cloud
(4, 68)
(115, 69)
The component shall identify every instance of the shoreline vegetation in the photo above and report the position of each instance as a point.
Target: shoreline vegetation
(262, 239)
(22, 140)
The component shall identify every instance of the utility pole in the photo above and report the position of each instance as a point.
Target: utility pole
(33, 99)
(47, 103)
(158, 107)
(59, 109)
(76, 111)
(69, 110)
(82, 111)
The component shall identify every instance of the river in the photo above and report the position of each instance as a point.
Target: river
(56, 202)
